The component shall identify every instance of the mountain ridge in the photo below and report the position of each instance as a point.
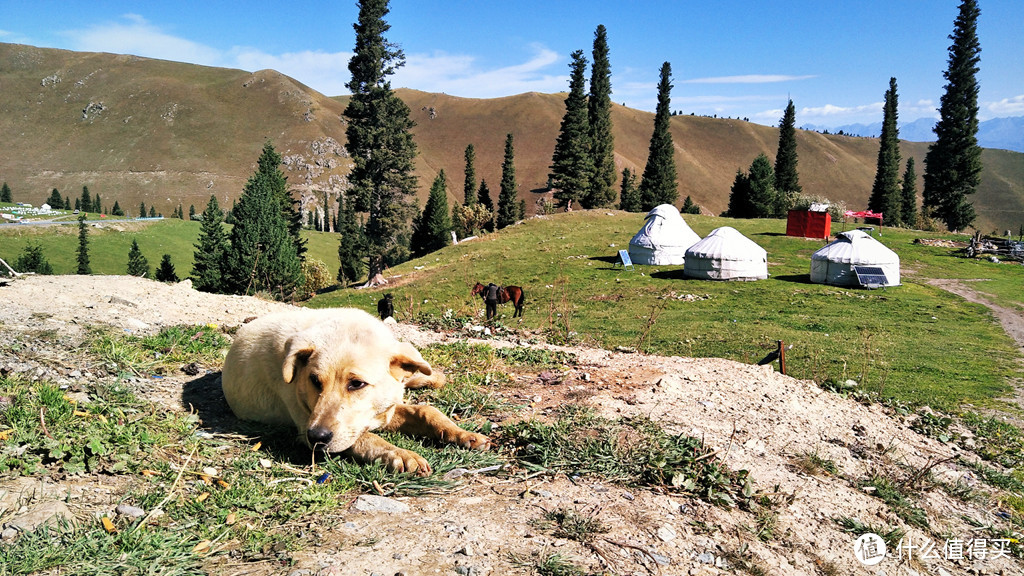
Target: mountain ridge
(142, 130)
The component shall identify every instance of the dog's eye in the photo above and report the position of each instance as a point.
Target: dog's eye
(354, 385)
(315, 381)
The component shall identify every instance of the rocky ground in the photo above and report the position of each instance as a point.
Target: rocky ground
(754, 418)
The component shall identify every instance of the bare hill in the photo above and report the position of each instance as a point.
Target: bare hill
(136, 129)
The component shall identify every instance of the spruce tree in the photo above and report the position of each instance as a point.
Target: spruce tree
(32, 260)
(83, 247)
(629, 193)
(67, 202)
(739, 197)
(380, 140)
(952, 166)
(5, 195)
(351, 244)
(262, 256)
(885, 192)
(484, 200)
(208, 273)
(152, 211)
(658, 184)
(508, 203)
(787, 181)
(268, 165)
(908, 200)
(97, 204)
(599, 113)
(572, 168)
(690, 207)
(137, 263)
(469, 181)
(116, 210)
(433, 229)
(55, 201)
(86, 204)
(166, 272)
(191, 212)
(142, 209)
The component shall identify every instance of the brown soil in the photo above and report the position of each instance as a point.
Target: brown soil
(754, 418)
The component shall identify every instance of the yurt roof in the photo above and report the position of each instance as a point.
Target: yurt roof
(727, 243)
(856, 247)
(664, 226)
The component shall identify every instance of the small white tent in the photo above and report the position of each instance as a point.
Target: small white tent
(833, 263)
(725, 254)
(663, 239)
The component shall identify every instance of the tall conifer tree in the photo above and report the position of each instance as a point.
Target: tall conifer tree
(86, 203)
(599, 113)
(508, 203)
(885, 192)
(484, 199)
(433, 229)
(658, 185)
(138, 265)
(629, 195)
(572, 167)
(952, 166)
(268, 165)
(5, 195)
(469, 180)
(208, 268)
(83, 247)
(350, 246)
(380, 140)
(908, 193)
(787, 180)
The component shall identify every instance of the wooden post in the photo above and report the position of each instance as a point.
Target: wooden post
(782, 356)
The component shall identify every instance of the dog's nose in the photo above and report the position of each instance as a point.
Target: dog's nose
(319, 435)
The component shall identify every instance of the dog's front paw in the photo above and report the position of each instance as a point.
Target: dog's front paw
(473, 441)
(401, 460)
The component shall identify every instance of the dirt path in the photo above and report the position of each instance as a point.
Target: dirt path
(1012, 320)
(755, 418)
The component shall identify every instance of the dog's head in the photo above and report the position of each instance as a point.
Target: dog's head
(348, 378)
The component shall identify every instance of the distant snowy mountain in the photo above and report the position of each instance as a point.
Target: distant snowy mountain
(1002, 133)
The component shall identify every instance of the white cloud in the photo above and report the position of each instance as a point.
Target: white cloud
(140, 38)
(459, 74)
(748, 79)
(1006, 107)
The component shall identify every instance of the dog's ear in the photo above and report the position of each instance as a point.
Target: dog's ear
(409, 368)
(298, 355)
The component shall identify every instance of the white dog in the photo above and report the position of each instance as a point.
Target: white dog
(337, 374)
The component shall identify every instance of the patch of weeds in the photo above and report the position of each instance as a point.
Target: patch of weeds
(742, 559)
(549, 564)
(901, 504)
(65, 547)
(170, 347)
(933, 425)
(572, 524)
(996, 440)
(535, 357)
(113, 434)
(765, 524)
(631, 451)
(891, 536)
(813, 463)
(994, 477)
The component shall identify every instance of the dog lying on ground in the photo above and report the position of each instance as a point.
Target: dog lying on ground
(337, 374)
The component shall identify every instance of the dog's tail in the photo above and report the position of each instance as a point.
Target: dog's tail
(434, 380)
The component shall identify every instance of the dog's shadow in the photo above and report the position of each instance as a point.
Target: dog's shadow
(204, 397)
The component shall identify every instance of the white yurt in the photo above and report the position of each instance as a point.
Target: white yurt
(663, 239)
(725, 254)
(834, 262)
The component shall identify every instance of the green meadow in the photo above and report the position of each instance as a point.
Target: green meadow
(914, 343)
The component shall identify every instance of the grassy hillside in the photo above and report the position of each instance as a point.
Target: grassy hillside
(914, 342)
(109, 243)
(136, 129)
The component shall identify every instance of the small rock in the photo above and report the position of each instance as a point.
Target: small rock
(46, 513)
(9, 534)
(467, 550)
(192, 369)
(371, 503)
(122, 302)
(666, 533)
(706, 558)
(132, 511)
(661, 559)
(300, 572)
(397, 556)
(628, 496)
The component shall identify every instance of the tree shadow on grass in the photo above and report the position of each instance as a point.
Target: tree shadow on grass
(204, 397)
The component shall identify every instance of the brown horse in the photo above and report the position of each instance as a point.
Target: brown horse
(513, 294)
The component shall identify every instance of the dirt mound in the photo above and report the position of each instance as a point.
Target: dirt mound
(753, 417)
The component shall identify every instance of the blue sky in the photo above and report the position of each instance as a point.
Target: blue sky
(732, 58)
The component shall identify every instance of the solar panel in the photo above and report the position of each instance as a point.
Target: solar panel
(871, 276)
